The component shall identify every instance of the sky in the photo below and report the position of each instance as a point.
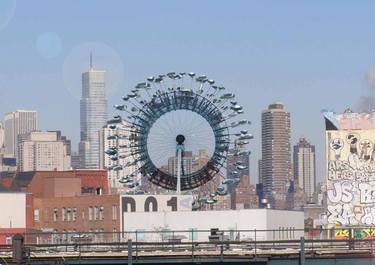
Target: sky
(310, 55)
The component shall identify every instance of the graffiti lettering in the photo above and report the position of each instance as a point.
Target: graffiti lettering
(341, 192)
(341, 214)
(367, 193)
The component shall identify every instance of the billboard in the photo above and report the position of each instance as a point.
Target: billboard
(350, 177)
(154, 203)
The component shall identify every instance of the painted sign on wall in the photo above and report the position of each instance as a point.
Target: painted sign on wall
(154, 203)
(351, 177)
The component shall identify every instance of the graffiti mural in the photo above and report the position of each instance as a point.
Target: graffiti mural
(351, 177)
(355, 233)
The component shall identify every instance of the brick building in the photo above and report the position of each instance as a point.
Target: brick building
(63, 201)
(78, 214)
(244, 195)
(48, 184)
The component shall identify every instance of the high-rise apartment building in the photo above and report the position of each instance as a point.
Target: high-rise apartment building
(304, 167)
(17, 123)
(93, 107)
(276, 153)
(123, 156)
(43, 151)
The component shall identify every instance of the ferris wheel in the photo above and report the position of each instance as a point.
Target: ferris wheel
(180, 128)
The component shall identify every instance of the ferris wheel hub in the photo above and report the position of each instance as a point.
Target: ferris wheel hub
(180, 139)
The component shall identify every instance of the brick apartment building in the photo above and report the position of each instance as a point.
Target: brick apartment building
(244, 195)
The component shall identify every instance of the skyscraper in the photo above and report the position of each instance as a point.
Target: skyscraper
(93, 116)
(17, 123)
(276, 153)
(304, 167)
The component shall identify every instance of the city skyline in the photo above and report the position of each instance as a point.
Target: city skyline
(322, 60)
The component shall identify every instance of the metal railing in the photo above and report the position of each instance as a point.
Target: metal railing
(192, 243)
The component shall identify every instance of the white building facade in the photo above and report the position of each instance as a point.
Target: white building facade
(162, 214)
(43, 151)
(13, 210)
(17, 123)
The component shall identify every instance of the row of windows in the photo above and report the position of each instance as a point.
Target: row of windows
(69, 214)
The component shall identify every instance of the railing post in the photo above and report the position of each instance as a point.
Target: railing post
(130, 252)
(351, 241)
(255, 244)
(221, 253)
(136, 244)
(18, 248)
(192, 244)
(371, 238)
(302, 252)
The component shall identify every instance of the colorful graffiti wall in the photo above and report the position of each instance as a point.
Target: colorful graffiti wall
(350, 177)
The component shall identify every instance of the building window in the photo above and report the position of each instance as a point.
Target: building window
(96, 213)
(115, 235)
(63, 214)
(91, 213)
(114, 212)
(69, 214)
(74, 216)
(36, 215)
(101, 213)
(55, 215)
(101, 234)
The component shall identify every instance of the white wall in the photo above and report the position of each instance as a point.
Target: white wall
(249, 219)
(12, 210)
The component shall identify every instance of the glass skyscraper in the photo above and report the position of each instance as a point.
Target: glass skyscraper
(93, 107)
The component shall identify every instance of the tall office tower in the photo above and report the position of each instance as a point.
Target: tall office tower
(122, 158)
(93, 116)
(17, 123)
(304, 167)
(276, 154)
(38, 151)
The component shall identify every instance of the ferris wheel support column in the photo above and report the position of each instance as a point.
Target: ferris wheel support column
(179, 165)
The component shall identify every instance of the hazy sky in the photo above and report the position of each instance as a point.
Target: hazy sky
(309, 55)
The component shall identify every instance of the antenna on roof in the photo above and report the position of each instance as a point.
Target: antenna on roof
(91, 67)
